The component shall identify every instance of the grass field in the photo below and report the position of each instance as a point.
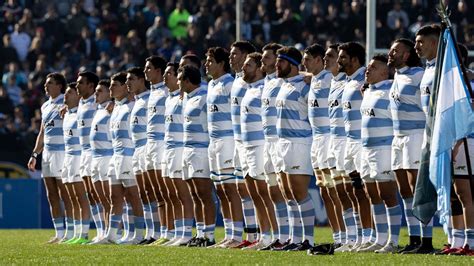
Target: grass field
(27, 247)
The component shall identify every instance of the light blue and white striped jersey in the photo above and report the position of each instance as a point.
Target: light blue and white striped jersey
(53, 124)
(336, 119)
(101, 139)
(318, 111)
(427, 84)
(405, 102)
(292, 111)
(139, 119)
(377, 127)
(71, 133)
(269, 111)
(218, 105)
(237, 92)
(156, 109)
(251, 115)
(351, 100)
(174, 120)
(85, 113)
(120, 128)
(195, 130)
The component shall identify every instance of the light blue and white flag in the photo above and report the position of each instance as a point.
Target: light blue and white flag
(454, 120)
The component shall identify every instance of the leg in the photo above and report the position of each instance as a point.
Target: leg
(299, 185)
(262, 190)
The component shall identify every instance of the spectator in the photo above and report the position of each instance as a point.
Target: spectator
(157, 32)
(178, 21)
(14, 8)
(21, 41)
(397, 17)
(6, 105)
(20, 76)
(8, 53)
(75, 21)
(13, 90)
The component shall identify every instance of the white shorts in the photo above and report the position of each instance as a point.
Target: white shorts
(71, 173)
(195, 163)
(221, 155)
(123, 167)
(337, 147)
(406, 151)
(139, 160)
(270, 156)
(173, 163)
(376, 164)
(296, 158)
(352, 156)
(319, 152)
(460, 162)
(86, 160)
(101, 166)
(52, 164)
(238, 146)
(252, 162)
(154, 155)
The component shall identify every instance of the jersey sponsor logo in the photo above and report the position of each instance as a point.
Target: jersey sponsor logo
(126, 173)
(135, 120)
(265, 102)
(187, 118)
(368, 112)
(213, 108)
(346, 106)
(386, 172)
(169, 119)
(82, 123)
(425, 90)
(314, 103)
(280, 103)
(96, 128)
(228, 161)
(395, 96)
(200, 171)
(296, 167)
(461, 167)
(69, 133)
(115, 125)
(152, 109)
(246, 109)
(235, 101)
(333, 103)
(50, 124)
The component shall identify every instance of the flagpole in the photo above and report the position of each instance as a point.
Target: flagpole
(444, 14)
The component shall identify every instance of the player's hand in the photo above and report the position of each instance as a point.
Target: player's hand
(32, 164)
(307, 77)
(110, 107)
(62, 111)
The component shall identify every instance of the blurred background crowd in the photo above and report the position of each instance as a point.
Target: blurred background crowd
(108, 36)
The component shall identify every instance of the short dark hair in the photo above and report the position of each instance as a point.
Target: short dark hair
(292, 54)
(256, 57)
(175, 67)
(104, 82)
(354, 49)
(380, 57)
(120, 77)
(272, 47)
(59, 78)
(90, 76)
(194, 59)
(315, 50)
(413, 60)
(137, 71)
(190, 73)
(244, 46)
(463, 53)
(72, 85)
(157, 62)
(220, 55)
(334, 46)
(430, 30)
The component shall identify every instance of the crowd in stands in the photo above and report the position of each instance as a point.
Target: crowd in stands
(107, 36)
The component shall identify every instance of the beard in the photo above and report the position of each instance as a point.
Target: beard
(284, 72)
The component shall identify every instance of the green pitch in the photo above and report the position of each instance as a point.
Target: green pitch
(27, 247)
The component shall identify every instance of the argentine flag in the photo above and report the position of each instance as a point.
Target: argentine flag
(454, 120)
